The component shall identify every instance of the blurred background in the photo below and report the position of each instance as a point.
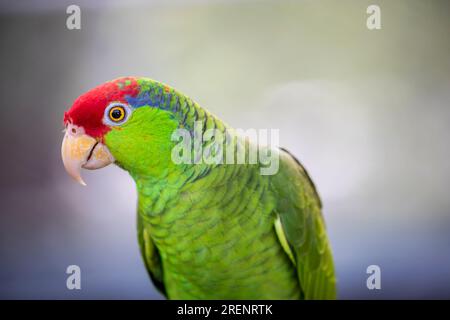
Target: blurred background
(367, 112)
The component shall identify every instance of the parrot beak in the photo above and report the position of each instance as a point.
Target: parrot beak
(80, 150)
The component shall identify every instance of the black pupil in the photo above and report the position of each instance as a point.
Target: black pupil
(116, 114)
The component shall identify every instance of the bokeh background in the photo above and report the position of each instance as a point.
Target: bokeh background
(367, 112)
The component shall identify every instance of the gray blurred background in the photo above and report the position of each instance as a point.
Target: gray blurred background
(367, 112)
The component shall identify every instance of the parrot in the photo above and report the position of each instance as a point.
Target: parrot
(206, 231)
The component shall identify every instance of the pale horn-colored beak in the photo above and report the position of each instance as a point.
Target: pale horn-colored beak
(80, 150)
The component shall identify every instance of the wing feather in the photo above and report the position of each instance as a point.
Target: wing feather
(299, 210)
(150, 256)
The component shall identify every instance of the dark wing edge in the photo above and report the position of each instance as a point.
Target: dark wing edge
(151, 257)
(308, 177)
(299, 210)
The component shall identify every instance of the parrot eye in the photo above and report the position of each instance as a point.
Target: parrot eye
(117, 113)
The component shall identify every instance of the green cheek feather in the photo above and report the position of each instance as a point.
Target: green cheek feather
(143, 144)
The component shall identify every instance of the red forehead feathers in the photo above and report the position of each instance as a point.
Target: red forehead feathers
(88, 109)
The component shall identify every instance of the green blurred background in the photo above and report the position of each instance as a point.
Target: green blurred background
(367, 112)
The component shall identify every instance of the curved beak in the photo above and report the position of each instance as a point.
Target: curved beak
(80, 150)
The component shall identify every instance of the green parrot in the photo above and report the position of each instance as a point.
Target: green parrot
(206, 229)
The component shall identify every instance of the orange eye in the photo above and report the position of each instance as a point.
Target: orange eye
(117, 113)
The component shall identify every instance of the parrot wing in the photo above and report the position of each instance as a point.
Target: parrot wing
(301, 229)
(150, 255)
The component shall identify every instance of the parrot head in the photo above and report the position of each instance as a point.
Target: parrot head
(123, 122)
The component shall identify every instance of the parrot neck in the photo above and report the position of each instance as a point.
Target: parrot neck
(159, 175)
(158, 189)
(155, 193)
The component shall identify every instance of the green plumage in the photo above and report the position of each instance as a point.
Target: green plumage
(209, 231)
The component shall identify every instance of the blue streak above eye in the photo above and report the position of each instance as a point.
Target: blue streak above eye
(155, 97)
(142, 99)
